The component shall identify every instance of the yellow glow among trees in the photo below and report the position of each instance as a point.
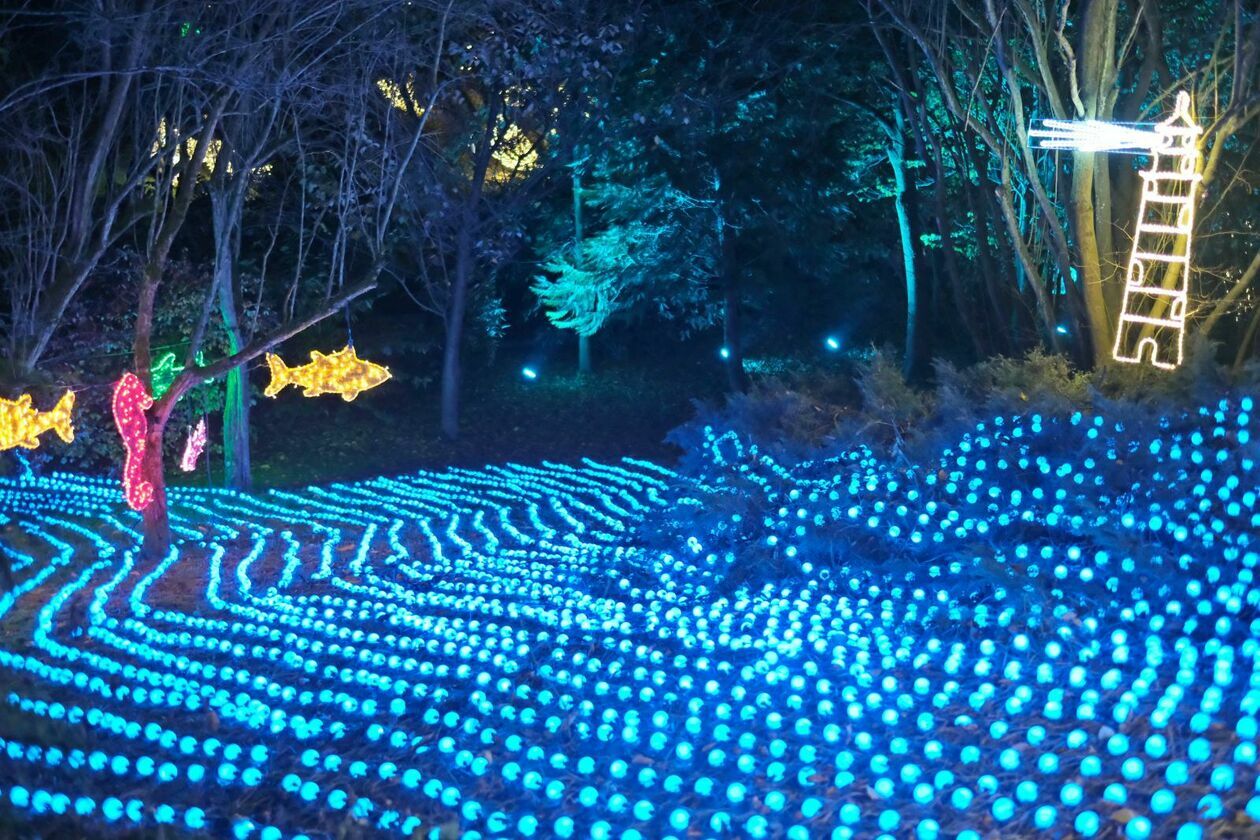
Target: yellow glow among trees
(516, 154)
(403, 97)
(189, 147)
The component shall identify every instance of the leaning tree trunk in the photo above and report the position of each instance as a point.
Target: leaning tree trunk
(896, 153)
(1248, 339)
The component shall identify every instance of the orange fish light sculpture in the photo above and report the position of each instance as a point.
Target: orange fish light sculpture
(341, 373)
(21, 424)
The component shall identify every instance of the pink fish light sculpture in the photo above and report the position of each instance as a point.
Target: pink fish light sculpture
(194, 446)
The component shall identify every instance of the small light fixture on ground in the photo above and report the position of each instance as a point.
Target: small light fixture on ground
(725, 352)
(529, 373)
(832, 343)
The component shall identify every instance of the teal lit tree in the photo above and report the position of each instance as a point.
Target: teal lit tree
(636, 254)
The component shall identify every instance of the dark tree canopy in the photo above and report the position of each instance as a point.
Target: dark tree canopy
(741, 179)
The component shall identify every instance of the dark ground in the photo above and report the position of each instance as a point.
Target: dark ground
(561, 416)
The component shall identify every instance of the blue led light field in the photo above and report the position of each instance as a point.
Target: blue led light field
(1051, 629)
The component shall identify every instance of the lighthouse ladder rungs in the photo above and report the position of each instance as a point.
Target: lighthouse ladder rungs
(1174, 229)
(1166, 199)
(1157, 322)
(1159, 291)
(1168, 258)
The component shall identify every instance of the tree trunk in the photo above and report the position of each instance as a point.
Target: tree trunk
(736, 379)
(142, 354)
(1018, 300)
(457, 305)
(584, 341)
(950, 259)
(1236, 291)
(157, 526)
(1097, 77)
(456, 308)
(1105, 214)
(236, 455)
(237, 471)
(992, 275)
(1082, 209)
(896, 153)
(1244, 346)
(732, 340)
(227, 205)
(1045, 307)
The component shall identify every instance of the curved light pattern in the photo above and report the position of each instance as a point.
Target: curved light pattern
(21, 424)
(1046, 624)
(131, 401)
(341, 373)
(194, 446)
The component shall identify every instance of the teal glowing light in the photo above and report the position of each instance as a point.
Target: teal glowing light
(832, 343)
(529, 373)
(512, 650)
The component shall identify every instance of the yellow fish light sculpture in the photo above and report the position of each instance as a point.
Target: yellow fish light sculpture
(341, 373)
(21, 424)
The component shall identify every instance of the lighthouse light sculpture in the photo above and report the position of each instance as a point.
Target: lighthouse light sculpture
(1156, 283)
